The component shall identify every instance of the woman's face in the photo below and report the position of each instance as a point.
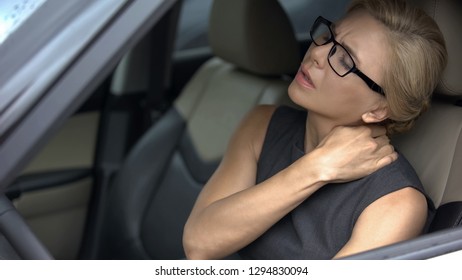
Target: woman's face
(344, 100)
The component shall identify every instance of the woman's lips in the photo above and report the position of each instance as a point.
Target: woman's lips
(304, 79)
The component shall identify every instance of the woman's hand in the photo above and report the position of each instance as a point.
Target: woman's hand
(350, 153)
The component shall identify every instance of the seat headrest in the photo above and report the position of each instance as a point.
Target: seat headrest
(255, 35)
(447, 14)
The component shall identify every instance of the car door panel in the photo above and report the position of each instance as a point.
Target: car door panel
(56, 209)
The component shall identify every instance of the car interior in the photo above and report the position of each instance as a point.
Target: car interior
(125, 172)
(190, 138)
(434, 145)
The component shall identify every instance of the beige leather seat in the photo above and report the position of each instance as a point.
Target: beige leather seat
(252, 56)
(153, 193)
(434, 146)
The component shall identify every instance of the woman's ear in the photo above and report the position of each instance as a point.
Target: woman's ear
(376, 115)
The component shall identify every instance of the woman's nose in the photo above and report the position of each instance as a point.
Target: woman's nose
(318, 54)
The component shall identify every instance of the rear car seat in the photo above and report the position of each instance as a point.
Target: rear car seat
(153, 193)
(434, 146)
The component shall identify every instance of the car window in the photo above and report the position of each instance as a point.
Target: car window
(194, 17)
(192, 25)
(31, 49)
(13, 13)
(302, 13)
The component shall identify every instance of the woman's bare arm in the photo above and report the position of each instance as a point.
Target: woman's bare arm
(398, 216)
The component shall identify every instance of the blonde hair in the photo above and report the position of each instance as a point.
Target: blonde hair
(417, 59)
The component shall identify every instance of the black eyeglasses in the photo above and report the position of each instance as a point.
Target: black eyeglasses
(339, 58)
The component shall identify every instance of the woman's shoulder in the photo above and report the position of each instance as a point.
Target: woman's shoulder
(264, 118)
(258, 119)
(267, 111)
(399, 182)
(400, 171)
(262, 115)
(252, 129)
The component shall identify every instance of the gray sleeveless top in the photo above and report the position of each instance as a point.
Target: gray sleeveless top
(320, 226)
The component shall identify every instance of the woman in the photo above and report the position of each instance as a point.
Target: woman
(327, 184)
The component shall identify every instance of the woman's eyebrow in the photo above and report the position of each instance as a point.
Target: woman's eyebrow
(350, 50)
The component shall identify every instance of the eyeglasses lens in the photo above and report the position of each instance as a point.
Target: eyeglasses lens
(340, 60)
(320, 33)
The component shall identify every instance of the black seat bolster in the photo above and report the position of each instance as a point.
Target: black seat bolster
(134, 187)
(448, 215)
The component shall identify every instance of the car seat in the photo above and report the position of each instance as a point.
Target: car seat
(154, 191)
(434, 145)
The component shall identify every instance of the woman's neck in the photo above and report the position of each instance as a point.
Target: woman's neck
(317, 128)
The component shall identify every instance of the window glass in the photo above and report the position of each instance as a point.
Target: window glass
(193, 24)
(302, 13)
(13, 13)
(194, 18)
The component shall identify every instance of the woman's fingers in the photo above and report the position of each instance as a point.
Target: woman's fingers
(350, 153)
